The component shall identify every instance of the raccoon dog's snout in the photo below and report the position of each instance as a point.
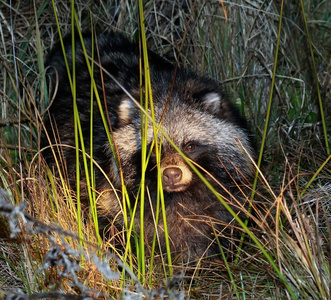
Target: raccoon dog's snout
(172, 178)
(176, 175)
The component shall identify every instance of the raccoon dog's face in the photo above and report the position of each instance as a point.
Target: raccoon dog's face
(213, 144)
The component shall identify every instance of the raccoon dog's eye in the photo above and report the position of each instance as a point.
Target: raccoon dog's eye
(154, 150)
(190, 147)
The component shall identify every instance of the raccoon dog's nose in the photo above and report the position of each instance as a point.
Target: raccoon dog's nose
(172, 176)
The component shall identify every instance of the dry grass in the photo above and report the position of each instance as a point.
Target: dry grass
(239, 52)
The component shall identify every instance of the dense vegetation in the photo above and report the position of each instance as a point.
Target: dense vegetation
(273, 58)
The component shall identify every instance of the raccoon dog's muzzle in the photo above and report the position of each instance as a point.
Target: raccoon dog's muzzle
(176, 175)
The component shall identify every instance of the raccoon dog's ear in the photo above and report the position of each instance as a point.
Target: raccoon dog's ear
(124, 115)
(212, 102)
(218, 104)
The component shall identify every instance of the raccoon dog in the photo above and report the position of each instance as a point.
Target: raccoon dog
(195, 114)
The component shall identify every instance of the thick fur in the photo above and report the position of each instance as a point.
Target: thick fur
(199, 119)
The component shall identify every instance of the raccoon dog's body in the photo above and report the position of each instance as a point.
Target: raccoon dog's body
(198, 118)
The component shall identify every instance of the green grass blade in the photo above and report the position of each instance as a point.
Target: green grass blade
(325, 132)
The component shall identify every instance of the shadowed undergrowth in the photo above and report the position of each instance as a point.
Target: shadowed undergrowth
(234, 44)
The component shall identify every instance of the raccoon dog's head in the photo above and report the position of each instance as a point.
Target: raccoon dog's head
(205, 127)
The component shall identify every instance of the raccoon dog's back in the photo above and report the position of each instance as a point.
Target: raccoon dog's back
(198, 118)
